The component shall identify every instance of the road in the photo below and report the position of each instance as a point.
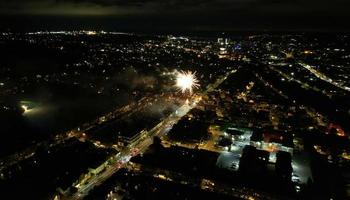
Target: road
(76, 132)
(323, 76)
(122, 158)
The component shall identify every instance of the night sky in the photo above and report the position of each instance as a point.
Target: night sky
(194, 15)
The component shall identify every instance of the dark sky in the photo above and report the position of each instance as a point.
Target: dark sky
(325, 15)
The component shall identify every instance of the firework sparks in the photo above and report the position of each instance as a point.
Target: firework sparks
(186, 81)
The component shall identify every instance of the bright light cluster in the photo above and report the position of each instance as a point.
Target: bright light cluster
(186, 81)
(25, 108)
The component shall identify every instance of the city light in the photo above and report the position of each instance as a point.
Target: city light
(186, 81)
(142, 105)
(25, 108)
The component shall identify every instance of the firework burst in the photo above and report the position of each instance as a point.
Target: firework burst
(186, 81)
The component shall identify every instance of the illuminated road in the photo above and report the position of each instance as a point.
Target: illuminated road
(76, 132)
(124, 156)
(145, 140)
(321, 76)
(324, 77)
(291, 78)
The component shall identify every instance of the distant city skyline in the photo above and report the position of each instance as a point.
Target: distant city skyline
(156, 15)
